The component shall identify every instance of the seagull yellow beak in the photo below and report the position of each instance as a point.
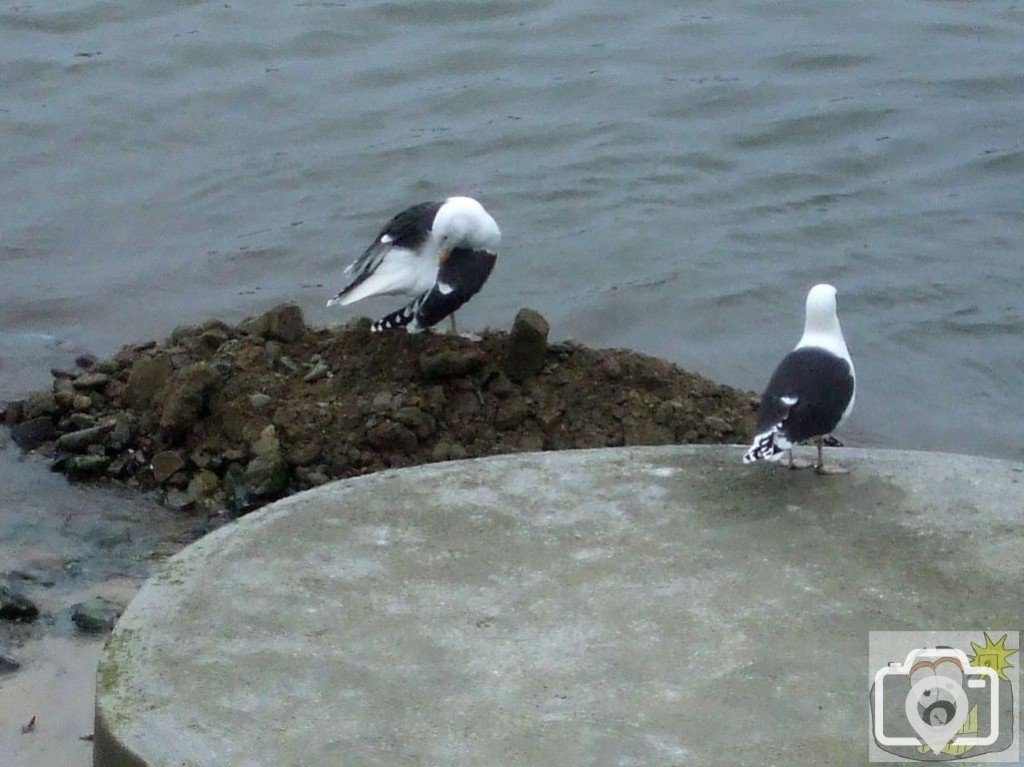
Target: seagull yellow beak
(445, 253)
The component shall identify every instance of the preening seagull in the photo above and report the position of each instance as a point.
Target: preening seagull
(441, 253)
(812, 390)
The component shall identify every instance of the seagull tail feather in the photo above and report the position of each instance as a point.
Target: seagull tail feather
(402, 318)
(766, 447)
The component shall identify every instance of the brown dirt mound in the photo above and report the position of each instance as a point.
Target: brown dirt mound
(228, 418)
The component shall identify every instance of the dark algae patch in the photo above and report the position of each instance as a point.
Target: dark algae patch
(224, 419)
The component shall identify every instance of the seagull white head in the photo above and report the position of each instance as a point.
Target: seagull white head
(821, 325)
(462, 222)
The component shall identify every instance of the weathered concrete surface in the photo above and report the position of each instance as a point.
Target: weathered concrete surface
(624, 607)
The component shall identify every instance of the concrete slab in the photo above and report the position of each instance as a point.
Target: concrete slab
(623, 607)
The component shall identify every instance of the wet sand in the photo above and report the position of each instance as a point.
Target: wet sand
(68, 543)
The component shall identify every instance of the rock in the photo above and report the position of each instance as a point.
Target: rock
(78, 441)
(641, 432)
(147, 377)
(110, 367)
(527, 345)
(16, 607)
(79, 467)
(500, 386)
(236, 489)
(81, 402)
(123, 432)
(267, 474)
(315, 478)
(450, 363)
(382, 401)
(267, 443)
(418, 420)
(213, 339)
(91, 381)
(511, 413)
(38, 405)
(86, 361)
(186, 400)
(64, 393)
(8, 665)
(392, 437)
(165, 464)
(282, 323)
(83, 421)
(96, 615)
(716, 425)
(259, 400)
(303, 454)
(179, 500)
(32, 433)
(203, 485)
(320, 370)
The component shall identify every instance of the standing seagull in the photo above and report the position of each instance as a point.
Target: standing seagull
(441, 253)
(811, 391)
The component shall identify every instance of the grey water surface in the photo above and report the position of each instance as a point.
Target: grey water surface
(669, 176)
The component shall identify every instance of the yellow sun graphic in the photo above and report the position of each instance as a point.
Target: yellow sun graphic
(993, 655)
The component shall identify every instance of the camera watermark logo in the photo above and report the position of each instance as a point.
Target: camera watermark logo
(943, 696)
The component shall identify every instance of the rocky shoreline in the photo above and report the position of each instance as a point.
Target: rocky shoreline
(223, 419)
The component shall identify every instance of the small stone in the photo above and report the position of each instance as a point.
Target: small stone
(383, 401)
(64, 393)
(81, 402)
(16, 607)
(511, 413)
(147, 377)
(317, 478)
(123, 432)
(38, 405)
(611, 368)
(450, 363)
(236, 489)
(267, 474)
(189, 392)
(165, 464)
(259, 400)
(30, 434)
(500, 386)
(78, 441)
(91, 381)
(96, 615)
(80, 467)
(273, 352)
(389, 436)
(418, 420)
(203, 485)
(178, 500)
(267, 443)
(86, 361)
(286, 362)
(320, 370)
(213, 338)
(527, 345)
(110, 367)
(282, 323)
(303, 454)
